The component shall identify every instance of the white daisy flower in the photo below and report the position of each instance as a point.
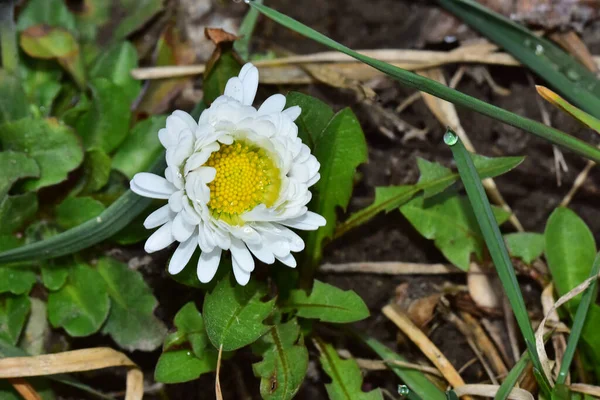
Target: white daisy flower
(236, 180)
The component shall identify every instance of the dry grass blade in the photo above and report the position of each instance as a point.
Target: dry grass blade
(485, 344)
(430, 350)
(587, 389)
(446, 113)
(24, 389)
(490, 391)
(558, 339)
(380, 365)
(578, 183)
(539, 334)
(75, 361)
(391, 268)
(218, 392)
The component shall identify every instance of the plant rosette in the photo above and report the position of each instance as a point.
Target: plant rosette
(236, 180)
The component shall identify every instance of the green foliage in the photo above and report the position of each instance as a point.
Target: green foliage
(51, 144)
(434, 179)
(81, 306)
(284, 361)
(40, 79)
(314, 118)
(13, 102)
(55, 275)
(141, 147)
(16, 280)
(448, 219)
(346, 379)
(131, 321)
(15, 166)
(234, 314)
(74, 211)
(115, 64)
(49, 12)
(570, 250)
(327, 303)
(216, 77)
(16, 210)
(527, 246)
(96, 170)
(177, 363)
(13, 314)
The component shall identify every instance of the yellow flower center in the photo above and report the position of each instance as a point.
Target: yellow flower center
(246, 177)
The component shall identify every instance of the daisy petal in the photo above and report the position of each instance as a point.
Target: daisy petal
(273, 104)
(187, 118)
(306, 222)
(182, 229)
(176, 201)
(182, 256)
(149, 185)
(160, 239)
(249, 77)
(208, 265)
(293, 112)
(158, 217)
(235, 89)
(288, 260)
(242, 277)
(261, 252)
(241, 255)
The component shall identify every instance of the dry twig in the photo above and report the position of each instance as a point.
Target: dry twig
(391, 268)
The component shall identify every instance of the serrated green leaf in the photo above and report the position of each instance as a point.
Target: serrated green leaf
(50, 12)
(81, 306)
(346, 379)
(449, 220)
(340, 149)
(13, 102)
(106, 124)
(13, 314)
(52, 145)
(16, 210)
(217, 76)
(570, 250)
(527, 246)
(141, 147)
(284, 362)
(16, 281)
(190, 328)
(115, 64)
(431, 182)
(314, 117)
(328, 304)
(131, 321)
(96, 170)
(74, 211)
(182, 366)
(47, 42)
(15, 166)
(234, 314)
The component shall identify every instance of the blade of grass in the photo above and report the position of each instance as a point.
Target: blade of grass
(8, 37)
(512, 378)
(242, 45)
(415, 380)
(564, 105)
(545, 58)
(578, 322)
(109, 222)
(495, 244)
(434, 88)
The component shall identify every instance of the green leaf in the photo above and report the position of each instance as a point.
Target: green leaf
(115, 64)
(340, 149)
(15, 166)
(74, 211)
(131, 322)
(50, 12)
(46, 42)
(284, 361)
(570, 250)
(41, 81)
(52, 145)
(437, 89)
(55, 274)
(415, 380)
(16, 210)
(96, 171)
(314, 117)
(13, 314)
(137, 12)
(234, 314)
(328, 304)
(527, 246)
(106, 124)
(16, 281)
(434, 179)
(217, 76)
(81, 306)
(183, 366)
(242, 45)
(141, 147)
(449, 220)
(190, 327)
(13, 102)
(346, 379)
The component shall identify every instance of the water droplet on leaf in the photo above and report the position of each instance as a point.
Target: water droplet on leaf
(450, 138)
